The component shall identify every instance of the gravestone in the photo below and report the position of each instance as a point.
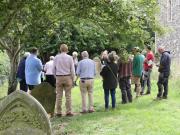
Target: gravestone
(46, 95)
(22, 114)
(98, 65)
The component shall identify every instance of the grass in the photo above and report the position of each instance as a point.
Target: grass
(143, 117)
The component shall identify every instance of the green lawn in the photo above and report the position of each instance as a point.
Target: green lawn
(143, 117)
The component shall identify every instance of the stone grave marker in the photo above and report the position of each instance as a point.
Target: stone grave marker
(22, 114)
(46, 95)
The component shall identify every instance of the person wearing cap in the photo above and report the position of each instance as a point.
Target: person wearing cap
(164, 72)
(48, 68)
(21, 73)
(64, 72)
(137, 69)
(147, 69)
(33, 69)
(86, 71)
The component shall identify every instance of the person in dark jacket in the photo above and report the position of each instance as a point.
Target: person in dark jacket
(109, 75)
(21, 73)
(164, 72)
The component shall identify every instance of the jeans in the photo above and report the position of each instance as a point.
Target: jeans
(162, 82)
(113, 97)
(125, 86)
(147, 81)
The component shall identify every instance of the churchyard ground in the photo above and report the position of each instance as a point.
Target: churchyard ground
(143, 117)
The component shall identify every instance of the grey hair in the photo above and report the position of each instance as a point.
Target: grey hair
(85, 54)
(51, 57)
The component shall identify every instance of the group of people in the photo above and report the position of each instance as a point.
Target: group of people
(63, 71)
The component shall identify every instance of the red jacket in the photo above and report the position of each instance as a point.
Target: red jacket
(148, 62)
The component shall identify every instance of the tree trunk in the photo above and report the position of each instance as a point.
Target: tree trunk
(12, 81)
(14, 61)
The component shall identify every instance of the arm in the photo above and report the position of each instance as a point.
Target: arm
(39, 65)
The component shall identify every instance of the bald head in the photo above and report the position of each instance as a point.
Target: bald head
(161, 49)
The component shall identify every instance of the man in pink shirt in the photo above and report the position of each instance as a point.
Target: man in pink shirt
(65, 73)
(147, 68)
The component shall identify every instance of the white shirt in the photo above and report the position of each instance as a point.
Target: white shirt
(48, 68)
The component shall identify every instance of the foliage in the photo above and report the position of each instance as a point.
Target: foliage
(4, 64)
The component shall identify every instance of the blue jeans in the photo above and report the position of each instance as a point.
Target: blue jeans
(113, 97)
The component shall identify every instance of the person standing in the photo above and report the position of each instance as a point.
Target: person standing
(86, 70)
(33, 69)
(48, 68)
(21, 73)
(164, 72)
(75, 60)
(109, 75)
(124, 76)
(148, 65)
(137, 70)
(64, 71)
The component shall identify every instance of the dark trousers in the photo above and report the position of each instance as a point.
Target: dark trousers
(162, 82)
(113, 97)
(23, 85)
(31, 87)
(146, 81)
(125, 86)
(51, 80)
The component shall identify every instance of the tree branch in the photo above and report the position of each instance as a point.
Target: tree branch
(5, 46)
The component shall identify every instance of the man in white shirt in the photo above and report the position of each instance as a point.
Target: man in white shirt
(48, 68)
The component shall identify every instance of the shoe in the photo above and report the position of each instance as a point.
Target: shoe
(69, 114)
(123, 102)
(106, 109)
(58, 115)
(83, 112)
(141, 93)
(130, 101)
(158, 98)
(164, 97)
(147, 93)
(91, 111)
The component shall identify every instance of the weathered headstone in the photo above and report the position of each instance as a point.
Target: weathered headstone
(22, 114)
(46, 95)
(98, 65)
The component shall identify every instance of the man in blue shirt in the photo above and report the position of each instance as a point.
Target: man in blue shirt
(33, 69)
(86, 72)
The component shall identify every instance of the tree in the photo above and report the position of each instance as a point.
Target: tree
(26, 23)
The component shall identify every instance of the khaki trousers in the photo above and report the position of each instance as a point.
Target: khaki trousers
(86, 86)
(136, 81)
(63, 83)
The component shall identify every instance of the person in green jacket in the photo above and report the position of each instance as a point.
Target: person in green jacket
(137, 69)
